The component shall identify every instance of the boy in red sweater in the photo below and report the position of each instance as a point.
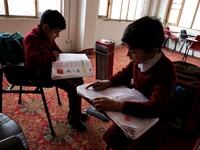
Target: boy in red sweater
(41, 50)
(153, 75)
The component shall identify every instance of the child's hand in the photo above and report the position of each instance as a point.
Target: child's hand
(56, 54)
(100, 85)
(107, 104)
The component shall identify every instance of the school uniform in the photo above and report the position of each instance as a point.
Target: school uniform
(155, 79)
(38, 55)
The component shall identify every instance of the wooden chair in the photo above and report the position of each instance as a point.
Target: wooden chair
(169, 36)
(192, 44)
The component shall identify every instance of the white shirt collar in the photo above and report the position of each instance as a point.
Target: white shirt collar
(148, 64)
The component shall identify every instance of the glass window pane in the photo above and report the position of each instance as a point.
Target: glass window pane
(173, 16)
(176, 6)
(174, 13)
(116, 7)
(15, 7)
(103, 5)
(188, 13)
(197, 20)
(140, 8)
(131, 10)
(177, 1)
(124, 9)
(48, 4)
(2, 9)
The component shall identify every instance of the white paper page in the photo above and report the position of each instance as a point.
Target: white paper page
(71, 57)
(88, 93)
(71, 65)
(118, 93)
(133, 127)
(109, 92)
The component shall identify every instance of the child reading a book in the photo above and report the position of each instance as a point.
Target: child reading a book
(41, 50)
(153, 75)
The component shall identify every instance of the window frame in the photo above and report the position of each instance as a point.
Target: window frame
(36, 9)
(109, 10)
(178, 20)
(179, 14)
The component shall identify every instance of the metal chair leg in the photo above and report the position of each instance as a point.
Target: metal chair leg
(185, 55)
(166, 43)
(175, 45)
(20, 95)
(182, 47)
(47, 112)
(57, 92)
(1, 94)
(11, 87)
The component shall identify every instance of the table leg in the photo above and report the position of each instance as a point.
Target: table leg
(186, 51)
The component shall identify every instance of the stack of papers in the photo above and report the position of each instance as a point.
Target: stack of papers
(70, 65)
(133, 127)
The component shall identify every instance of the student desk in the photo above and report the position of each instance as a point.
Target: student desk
(188, 44)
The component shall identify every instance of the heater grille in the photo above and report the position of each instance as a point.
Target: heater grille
(104, 59)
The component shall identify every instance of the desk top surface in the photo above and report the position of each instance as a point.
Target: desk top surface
(171, 31)
(191, 40)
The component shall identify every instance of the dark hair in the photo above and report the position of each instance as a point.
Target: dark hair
(145, 33)
(54, 19)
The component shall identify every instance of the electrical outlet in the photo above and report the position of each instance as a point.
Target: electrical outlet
(68, 41)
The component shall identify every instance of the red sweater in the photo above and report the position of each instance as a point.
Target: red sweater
(38, 49)
(156, 84)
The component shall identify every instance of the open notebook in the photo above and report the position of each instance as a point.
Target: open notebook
(133, 127)
(70, 65)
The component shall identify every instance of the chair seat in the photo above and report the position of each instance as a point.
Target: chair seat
(20, 75)
(9, 127)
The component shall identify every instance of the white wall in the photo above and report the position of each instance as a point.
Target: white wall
(84, 27)
(110, 30)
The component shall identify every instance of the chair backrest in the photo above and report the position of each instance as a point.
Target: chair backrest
(195, 46)
(166, 28)
(183, 35)
(11, 48)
